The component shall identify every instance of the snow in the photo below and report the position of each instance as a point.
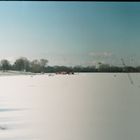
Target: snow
(93, 106)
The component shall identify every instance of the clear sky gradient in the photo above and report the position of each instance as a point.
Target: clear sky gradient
(71, 33)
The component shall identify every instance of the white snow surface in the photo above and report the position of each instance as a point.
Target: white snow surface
(84, 106)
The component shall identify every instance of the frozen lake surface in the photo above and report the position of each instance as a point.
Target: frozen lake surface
(70, 107)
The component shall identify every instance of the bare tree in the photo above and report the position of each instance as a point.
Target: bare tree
(5, 64)
(43, 62)
(22, 64)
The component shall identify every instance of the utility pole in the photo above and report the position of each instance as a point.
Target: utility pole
(129, 77)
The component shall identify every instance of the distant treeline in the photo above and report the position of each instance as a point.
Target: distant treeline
(41, 66)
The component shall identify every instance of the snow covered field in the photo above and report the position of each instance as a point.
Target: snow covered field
(70, 107)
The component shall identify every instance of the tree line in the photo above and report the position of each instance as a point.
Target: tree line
(41, 66)
(23, 64)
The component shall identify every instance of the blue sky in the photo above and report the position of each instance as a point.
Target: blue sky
(71, 33)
